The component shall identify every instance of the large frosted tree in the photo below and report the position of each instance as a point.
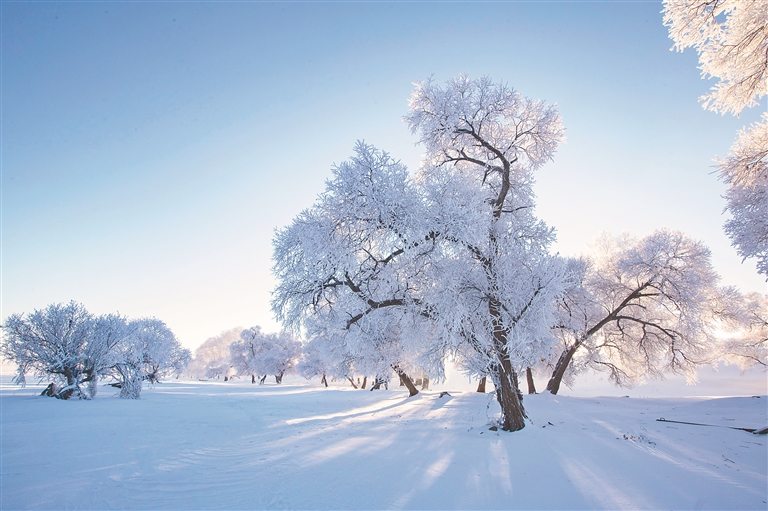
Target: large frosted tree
(483, 142)
(391, 271)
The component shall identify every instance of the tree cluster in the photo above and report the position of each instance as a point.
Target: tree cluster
(73, 349)
(392, 273)
(246, 352)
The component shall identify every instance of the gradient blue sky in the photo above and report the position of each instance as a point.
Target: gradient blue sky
(150, 149)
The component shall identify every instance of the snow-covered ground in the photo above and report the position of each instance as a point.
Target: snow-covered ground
(216, 445)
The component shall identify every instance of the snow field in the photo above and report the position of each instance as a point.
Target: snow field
(233, 445)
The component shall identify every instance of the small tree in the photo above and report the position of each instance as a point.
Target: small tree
(149, 353)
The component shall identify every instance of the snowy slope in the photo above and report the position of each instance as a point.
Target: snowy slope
(216, 445)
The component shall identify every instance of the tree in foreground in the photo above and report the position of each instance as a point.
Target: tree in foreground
(394, 272)
(640, 307)
(731, 38)
(745, 171)
(351, 269)
(497, 281)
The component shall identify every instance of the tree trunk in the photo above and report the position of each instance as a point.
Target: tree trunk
(562, 364)
(263, 379)
(324, 380)
(377, 383)
(279, 378)
(509, 397)
(253, 379)
(481, 385)
(531, 384)
(425, 383)
(406, 380)
(365, 381)
(352, 382)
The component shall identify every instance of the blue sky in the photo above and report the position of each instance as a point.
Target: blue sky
(150, 149)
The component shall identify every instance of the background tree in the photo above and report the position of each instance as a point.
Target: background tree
(213, 357)
(149, 353)
(275, 354)
(51, 343)
(639, 308)
(731, 38)
(749, 346)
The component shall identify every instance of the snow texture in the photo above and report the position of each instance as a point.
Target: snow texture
(215, 445)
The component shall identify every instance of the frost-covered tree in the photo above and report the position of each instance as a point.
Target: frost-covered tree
(731, 37)
(496, 281)
(639, 308)
(393, 272)
(260, 353)
(101, 352)
(212, 358)
(74, 348)
(352, 267)
(150, 352)
(51, 343)
(315, 362)
(745, 171)
(749, 346)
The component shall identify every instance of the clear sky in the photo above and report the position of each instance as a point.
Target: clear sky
(150, 149)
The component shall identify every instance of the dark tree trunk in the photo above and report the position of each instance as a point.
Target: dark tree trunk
(324, 380)
(377, 383)
(425, 383)
(279, 378)
(263, 379)
(365, 381)
(226, 378)
(509, 397)
(562, 364)
(352, 382)
(406, 380)
(481, 385)
(531, 384)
